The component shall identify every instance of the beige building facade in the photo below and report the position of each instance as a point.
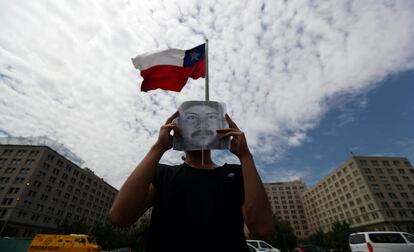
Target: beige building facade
(40, 188)
(370, 193)
(285, 199)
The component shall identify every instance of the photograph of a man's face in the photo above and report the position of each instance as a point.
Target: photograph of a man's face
(198, 122)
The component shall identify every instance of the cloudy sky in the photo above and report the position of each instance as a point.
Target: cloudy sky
(306, 80)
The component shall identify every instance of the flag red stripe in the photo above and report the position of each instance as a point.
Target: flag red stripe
(170, 77)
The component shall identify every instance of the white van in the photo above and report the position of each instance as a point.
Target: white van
(381, 241)
(262, 246)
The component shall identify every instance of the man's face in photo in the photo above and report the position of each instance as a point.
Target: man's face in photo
(199, 124)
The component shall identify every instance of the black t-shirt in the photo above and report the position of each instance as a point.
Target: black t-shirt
(197, 209)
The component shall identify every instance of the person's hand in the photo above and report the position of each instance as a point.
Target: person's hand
(238, 144)
(164, 141)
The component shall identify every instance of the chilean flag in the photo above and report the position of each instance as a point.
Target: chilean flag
(171, 68)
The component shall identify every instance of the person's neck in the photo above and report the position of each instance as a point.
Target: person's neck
(199, 159)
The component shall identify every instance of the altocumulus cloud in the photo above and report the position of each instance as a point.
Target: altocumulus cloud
(65, 69)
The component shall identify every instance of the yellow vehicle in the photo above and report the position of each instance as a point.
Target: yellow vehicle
(64, 243)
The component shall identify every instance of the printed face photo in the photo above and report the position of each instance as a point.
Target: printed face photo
(198, 121)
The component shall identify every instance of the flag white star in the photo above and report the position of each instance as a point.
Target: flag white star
(194, 55)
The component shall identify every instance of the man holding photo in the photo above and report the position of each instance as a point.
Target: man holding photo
(198, 205)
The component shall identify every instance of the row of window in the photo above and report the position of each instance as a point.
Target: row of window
(388, 170)
(391, 195)
(382, 178)
(84, 181)
(397, 204)
(70, 189)
(17, 161)
(386, 163)
(35, 217)
(9, 152)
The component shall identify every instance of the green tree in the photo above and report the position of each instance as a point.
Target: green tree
(77, 227)
(319, 238)
(283, 238)
(338, 236)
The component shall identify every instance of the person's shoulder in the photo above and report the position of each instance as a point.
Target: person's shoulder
(165, 171)
(232, 166)
(168, 167)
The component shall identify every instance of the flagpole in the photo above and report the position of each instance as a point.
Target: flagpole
(206, 56)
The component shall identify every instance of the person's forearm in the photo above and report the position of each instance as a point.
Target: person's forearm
(257, 210)
(131, 201)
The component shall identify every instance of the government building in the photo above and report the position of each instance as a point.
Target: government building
(40, 188)
(369, 193)
(42, 185)
(286, 202)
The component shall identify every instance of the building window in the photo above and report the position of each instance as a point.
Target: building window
(395, 178)
(22, 215)
(402, 213)
(50, 157)
(389, 213)
(68, 168)
(7, 201)
(390, 170)
(392, 195)
(41, 174)
(399, 186)
(52, 179)
(367, 197)
(13, 190)
(48, 188)
(43, 197)
(10, 170)
(33, 153)
(18, 180)
(7, 152)
(24, 171)
(56, 171)
(401, 171)
(29, 161)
